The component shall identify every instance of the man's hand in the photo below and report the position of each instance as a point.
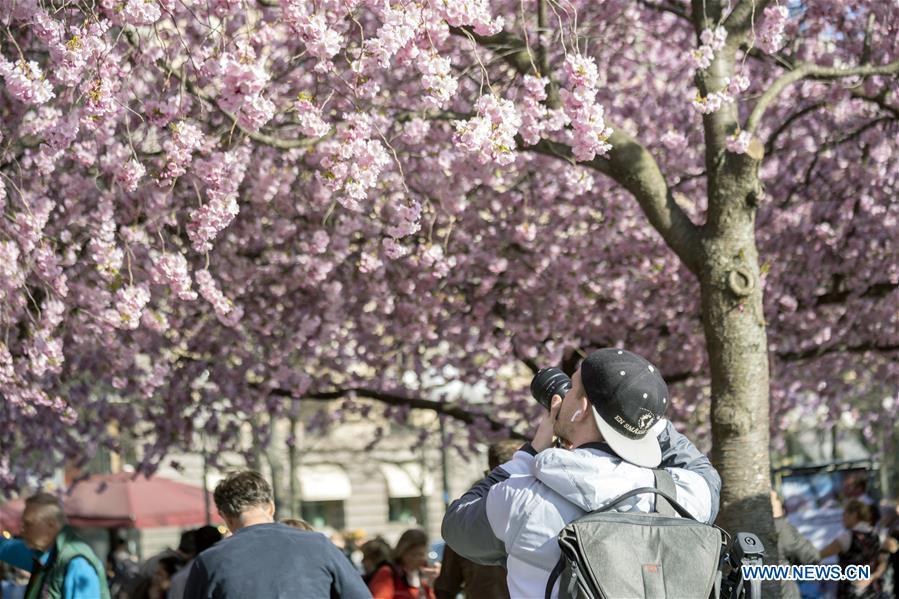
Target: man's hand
(543, 438)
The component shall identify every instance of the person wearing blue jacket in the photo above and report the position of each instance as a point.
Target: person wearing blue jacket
(62, 565)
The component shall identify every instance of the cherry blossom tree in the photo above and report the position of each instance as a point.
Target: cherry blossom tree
(214, 209)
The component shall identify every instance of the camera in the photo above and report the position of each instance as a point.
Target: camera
(746, 550)
(548, 382)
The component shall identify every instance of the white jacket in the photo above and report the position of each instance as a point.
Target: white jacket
(544, 492)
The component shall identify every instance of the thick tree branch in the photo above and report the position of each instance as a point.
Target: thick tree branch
(452, 410)
(722, 122)
(811, 71)
(633, 167)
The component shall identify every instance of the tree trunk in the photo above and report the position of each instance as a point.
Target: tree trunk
(736, 341)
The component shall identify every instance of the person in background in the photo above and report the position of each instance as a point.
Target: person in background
(893, 547)
(162, 577)
(140, 587)
(375, 553)
(298, 523)
(10, 586)
(408, 575)
(62, 565)
(857, 545)
(354, 539)
(795, 548)
(121, 568)
(889, 547)
(265, 559)
(458, 573)
(204, 538)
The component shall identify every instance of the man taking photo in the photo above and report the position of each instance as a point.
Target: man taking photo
(612, 422)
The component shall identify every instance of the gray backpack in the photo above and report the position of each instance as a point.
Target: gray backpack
(612, 555)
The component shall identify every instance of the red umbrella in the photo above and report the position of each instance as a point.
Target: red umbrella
(123, 501)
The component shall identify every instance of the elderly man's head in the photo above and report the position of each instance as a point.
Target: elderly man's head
(244, 498)
(42, 520)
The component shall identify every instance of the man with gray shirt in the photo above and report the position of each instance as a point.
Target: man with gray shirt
(264, 558)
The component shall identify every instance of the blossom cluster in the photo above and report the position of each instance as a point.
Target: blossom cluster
(353, 161)
(712, 41)
(26, 81)
(225, 310)
(771, 32)
(490, 135)
(591, 133)
(243, 80)
(222, 175)
(171, 269)
(130, 302)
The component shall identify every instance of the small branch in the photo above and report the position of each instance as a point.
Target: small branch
(275, 142)
(512, 49)
(542, 59)
(769, 145)
(664, 7)
(811, 71)
(825, 147)
(869, 32)
(739, 23)
(879, 100)
(629, 163)
(838, 296)
(817, 352)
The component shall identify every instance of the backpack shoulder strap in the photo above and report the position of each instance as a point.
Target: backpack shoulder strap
(665, 484)
(554, 576)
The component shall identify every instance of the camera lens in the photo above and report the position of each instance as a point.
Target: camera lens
(548, 382)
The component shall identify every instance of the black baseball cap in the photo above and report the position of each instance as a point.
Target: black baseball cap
(629, 396)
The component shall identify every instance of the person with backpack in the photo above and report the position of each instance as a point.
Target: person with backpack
(611, 426)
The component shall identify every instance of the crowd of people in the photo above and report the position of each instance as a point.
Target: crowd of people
(870, 537)
(605, 438)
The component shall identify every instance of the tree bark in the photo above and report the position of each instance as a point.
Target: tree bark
(737, 346)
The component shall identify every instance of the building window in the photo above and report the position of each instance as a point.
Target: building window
(324, 513)
(405, 509)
